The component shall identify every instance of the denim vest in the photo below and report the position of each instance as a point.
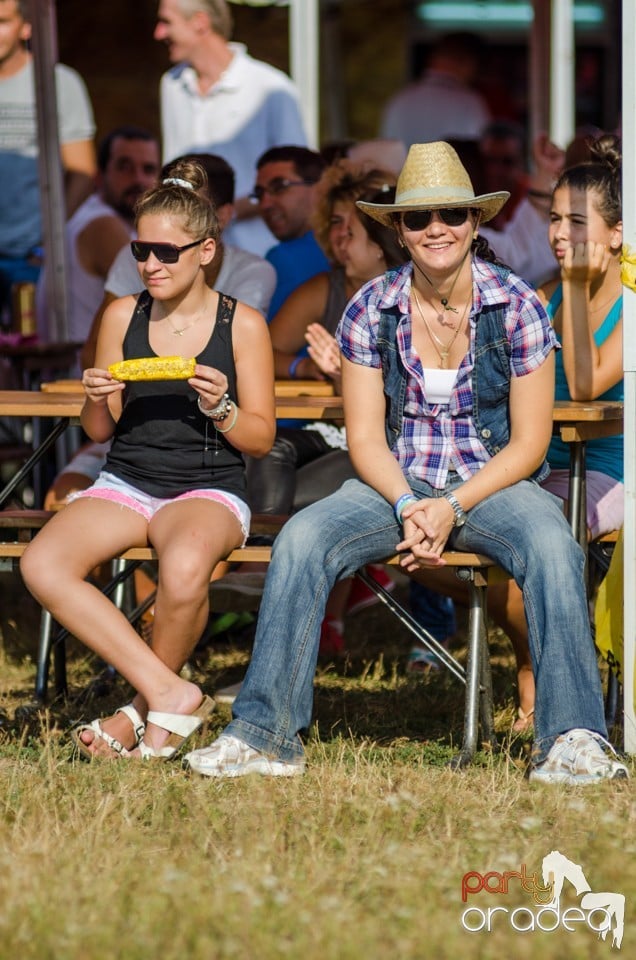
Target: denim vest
(490, 376)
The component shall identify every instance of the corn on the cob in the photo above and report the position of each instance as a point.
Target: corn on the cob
(153, 368)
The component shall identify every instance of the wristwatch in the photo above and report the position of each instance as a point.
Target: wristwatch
(460, 516)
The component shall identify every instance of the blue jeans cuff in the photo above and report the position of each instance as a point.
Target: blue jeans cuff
(278, 748)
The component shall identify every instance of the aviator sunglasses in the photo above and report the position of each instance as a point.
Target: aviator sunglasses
(420, 219)
(164, 252)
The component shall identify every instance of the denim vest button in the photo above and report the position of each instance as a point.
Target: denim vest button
(486, 433)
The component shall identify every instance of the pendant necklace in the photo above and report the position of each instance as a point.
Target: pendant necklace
(179, 331)
(446, 348)
(444, 300)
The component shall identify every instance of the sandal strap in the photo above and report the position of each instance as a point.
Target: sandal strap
(183, 724)
(138, 725)
(102, 734)
(150, 753)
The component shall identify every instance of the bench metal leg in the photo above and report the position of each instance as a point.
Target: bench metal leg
(612, 699)
(479, 697)
(486, 704)
(44, 656)
(473, 677)
(420, 633)
(476, 677)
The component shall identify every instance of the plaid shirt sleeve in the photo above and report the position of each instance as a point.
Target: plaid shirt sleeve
(529, 329)
(356, 333)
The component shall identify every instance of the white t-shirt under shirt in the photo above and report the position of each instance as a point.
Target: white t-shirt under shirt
(252, 107)
(20, 219)
(438, 384)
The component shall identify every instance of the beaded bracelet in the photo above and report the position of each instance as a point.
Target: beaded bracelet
(230, 425)
(220, 412)
(293, 366)
(401, 503)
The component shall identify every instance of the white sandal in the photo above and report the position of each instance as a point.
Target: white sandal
(138, 725)
(181, 727)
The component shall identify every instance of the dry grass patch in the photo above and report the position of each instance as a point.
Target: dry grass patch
(363, 857)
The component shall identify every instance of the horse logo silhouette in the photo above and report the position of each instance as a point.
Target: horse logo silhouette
(556, 869)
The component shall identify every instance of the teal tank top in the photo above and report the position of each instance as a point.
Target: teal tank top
(606, 454)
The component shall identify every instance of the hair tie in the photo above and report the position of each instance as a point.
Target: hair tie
(179, 182)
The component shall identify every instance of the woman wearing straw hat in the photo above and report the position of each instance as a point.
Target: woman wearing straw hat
(448, 380)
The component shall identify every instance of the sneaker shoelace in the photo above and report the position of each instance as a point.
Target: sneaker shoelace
(585, 750)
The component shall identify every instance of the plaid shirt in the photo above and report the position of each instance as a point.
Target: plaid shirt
(438, 437)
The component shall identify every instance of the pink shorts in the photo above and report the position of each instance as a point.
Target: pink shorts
(108, 487)
(605, 499)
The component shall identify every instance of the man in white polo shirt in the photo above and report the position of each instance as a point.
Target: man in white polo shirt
(218, 99)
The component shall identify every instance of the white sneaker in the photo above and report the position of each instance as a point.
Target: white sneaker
(230, 757)
(576, 757)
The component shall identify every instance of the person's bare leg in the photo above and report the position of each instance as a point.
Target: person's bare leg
(505, 604)
(190, 538)
(56, 574)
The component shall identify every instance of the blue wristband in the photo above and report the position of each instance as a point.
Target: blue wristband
(293, 366)
(401, 503)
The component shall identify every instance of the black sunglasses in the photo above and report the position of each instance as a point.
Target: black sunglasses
(164, 252)
(420, 219)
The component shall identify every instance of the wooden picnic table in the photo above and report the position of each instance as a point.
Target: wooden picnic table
(32, 359)
(577, 422)
(66, 408)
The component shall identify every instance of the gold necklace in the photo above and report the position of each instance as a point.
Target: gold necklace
(446, 348)
(444, 300)
(179, 331)
(604, 306)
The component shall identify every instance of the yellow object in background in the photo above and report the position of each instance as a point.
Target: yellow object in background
(608, 613)
(628, 267)
(153, 368)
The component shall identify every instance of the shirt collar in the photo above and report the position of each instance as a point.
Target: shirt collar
(487, 288)
(231, 78)
(397, 290)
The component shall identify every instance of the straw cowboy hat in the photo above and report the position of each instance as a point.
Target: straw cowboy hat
(434, 177)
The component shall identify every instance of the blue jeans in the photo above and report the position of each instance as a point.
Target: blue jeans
(522, 528)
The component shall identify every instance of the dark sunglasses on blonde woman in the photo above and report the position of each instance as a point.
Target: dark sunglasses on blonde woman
(420, 219)
(164, 252)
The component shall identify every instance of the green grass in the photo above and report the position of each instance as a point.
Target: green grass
(363, 857)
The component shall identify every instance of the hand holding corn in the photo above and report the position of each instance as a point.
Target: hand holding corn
(153, 368)
(209, 383)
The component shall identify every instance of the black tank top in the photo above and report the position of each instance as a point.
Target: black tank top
(163, 444)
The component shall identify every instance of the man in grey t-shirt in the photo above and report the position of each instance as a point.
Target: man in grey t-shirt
(20, 218)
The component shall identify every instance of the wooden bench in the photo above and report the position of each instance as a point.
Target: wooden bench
(475, 570)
